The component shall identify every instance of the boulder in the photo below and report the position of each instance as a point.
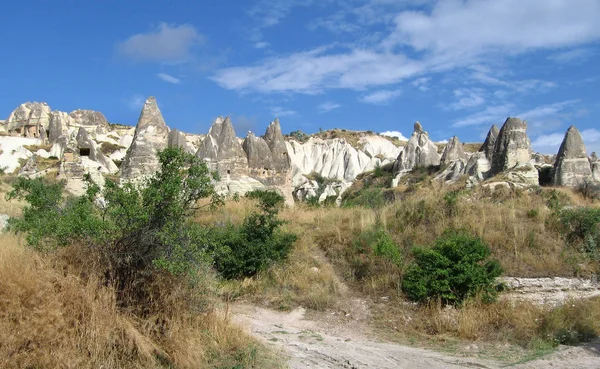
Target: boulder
(151, 136)
(572, 167)
(512, 146)
(420, 151)
(478, 166)
(490, 141)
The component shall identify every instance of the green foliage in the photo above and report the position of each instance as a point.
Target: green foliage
(380, 243)
(451, 203)
(372, 197)
(299, 136)
(134, 228)
(378, 172)
(455, 268)
(255, 245)
(581, 227)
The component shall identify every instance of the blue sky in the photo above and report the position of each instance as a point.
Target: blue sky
(457, 66)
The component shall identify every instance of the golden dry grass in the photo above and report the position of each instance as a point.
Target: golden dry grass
(52, 317)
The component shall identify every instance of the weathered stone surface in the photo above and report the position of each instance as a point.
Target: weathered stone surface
(452, 152)
(595, 164)
(59, 146)
(478, 166)
(30, 119)
(88, 147)
(490, 142)
(93, 121)
(419, 151)
(274, 139)
(177, 139)
(151, 136)
(572, 167)
(222, 150)
(512, 146)
(258, 152)
(376, 146)
(59, 122)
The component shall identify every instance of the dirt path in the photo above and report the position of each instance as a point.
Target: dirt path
(335, 340)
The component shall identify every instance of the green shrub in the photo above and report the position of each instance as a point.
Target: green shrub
(455, 268)
(380, 243)
(135, 229)
(581, 227)
(255, 245)
(371, 197)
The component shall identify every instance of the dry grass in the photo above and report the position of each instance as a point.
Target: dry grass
(53, 317)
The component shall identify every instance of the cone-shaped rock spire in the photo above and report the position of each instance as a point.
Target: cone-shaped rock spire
(572, 167)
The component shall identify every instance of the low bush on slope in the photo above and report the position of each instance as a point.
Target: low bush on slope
(127, 253)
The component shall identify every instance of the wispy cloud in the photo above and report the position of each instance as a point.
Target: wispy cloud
(422, 84)
(166, 43)
(382, 97)
(280, 112)
(467, 98)
(550, 143)
(327, 107)
(168, 78)
(488, 116)
(572, 56)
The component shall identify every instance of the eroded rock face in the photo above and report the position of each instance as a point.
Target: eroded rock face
(274, 138)
(88, 148)
(93, 121)
(419, 151)
(259, 153)
(490, 141)
(595, 164)
(222, 150)
(572, 167)
(452, 152)
(177, 139)
(30, 119)
(512, 146)
(151, 136)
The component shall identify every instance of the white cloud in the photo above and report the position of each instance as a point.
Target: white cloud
(422, 83)
(396, 134)
(134, 102)
(545, 111)
(572, 56)
(280, 112)
(327, 107)
(261, 44)
(591, 135)
(168, 78)
(491, 115)
(315, 70)
(467, 98)
(382, 97)
(166, 43)
(469, 28)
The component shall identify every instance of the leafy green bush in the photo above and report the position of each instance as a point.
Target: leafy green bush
(380, 243)
(135, 229)
(455, 268)
(581, 227)
(259, 242)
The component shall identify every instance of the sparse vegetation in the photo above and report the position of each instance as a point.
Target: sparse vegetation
(108, 148)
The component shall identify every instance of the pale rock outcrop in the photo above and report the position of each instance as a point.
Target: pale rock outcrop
(258, 152)
(89, 148)
(419, 151)
(92, 121)
(177, 139)
(490, 141)
(274, 139)
(452, 152)
(59, 146)
(12, 151)
(595, 164)
(512, 147)
(572, 167)
(58, 125)
(30, 119)
(379, 147)
(222, 151)
(151, 136)
(478, 166)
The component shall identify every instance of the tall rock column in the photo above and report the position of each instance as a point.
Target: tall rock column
(595, 163)
(151, 136)
(512, 146)
(572, 167)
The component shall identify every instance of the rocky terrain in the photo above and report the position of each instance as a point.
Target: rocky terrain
(38, 141)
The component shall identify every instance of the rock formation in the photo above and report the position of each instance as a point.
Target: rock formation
(222, 150)
(452, 152)
(259, 153)
(512, 146)
(595, 164)
(88, 148)
(279, 153)
(419, 151)
(151, 136)
(177, 139)
(29, 120)
(572, 167)
(490, 141)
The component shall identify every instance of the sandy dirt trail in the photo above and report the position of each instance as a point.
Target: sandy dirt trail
(320, 341)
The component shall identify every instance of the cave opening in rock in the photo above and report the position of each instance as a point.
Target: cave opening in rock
(84, 152)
